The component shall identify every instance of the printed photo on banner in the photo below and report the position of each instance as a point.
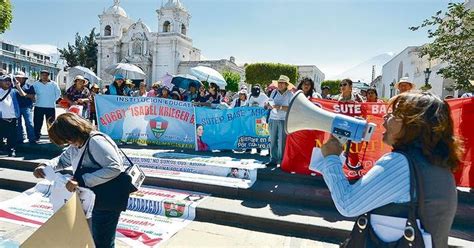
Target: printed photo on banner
(153, 214)
(146, 120)
(237, 128)
(197, 168)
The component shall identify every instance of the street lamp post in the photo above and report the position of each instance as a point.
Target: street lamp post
(427, 72)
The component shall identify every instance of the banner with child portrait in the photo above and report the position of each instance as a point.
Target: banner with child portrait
(237, 128)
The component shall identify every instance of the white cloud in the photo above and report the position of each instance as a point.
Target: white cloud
(42, 48)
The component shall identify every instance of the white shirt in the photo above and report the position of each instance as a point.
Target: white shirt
(242, 103)
(257, 101)
(7, 109)
(280, 100)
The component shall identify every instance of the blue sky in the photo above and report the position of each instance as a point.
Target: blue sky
(333, 35)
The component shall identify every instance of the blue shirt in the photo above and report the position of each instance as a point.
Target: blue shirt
(24, 101)
(114, 91)
(387, 182)
(46, 94)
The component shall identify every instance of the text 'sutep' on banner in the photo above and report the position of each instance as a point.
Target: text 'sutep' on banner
(299, 145)
(237, 128)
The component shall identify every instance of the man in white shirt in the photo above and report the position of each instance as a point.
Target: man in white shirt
(257, 97)
(47, 93)
(9, 111)
(278, 103)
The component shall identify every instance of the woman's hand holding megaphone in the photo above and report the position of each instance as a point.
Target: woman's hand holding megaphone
(332, 147)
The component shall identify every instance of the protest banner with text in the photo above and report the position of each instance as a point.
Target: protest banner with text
(299, 145)
(153, 214)
(146, 120)
(197, 168)
(237, 128)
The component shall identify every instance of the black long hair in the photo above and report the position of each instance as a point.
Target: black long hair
(311, 90)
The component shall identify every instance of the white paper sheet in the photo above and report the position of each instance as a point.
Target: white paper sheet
(59, 195)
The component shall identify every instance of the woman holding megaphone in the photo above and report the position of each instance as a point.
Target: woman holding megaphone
(413, 184)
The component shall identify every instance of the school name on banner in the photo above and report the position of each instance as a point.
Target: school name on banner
(146, 120)
(237, 128)
(153, 214)
(299, 145)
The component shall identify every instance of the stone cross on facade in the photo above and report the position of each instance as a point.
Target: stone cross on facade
(117, 2)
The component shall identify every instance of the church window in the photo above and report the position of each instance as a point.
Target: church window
(107, 31)
(137, 48)
(167, 27)
(183, 29)
(400, 70)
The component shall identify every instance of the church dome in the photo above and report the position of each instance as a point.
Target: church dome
(116, 10)
(174, 4)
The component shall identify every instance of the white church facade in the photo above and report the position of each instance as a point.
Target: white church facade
(169, 50)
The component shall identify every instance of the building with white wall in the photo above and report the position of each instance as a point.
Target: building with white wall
(14, 57)
(409, 64)
(169, 50)
(313, 72)
(156, 53)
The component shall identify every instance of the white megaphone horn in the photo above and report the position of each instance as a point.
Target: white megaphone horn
(304, 115)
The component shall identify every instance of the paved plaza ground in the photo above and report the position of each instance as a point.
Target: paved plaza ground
(196, 234)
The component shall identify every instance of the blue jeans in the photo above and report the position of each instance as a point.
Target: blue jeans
(104, 224)
(27, 115)
(277, 140)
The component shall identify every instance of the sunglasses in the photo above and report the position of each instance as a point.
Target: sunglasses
(342, 85)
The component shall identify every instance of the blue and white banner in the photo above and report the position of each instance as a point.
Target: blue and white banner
(146, 120)
(237, 128)
(196, 168)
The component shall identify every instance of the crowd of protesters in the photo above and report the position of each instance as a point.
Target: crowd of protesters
(29, 111)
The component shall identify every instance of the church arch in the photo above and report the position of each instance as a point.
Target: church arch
(167, 27)
(183, 29)
(107, 30)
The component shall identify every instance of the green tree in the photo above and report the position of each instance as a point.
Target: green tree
(91, 50)
(232, 79)
(264, 73)
(333, 86)
(6, 15)
(453, 43)
(83, 52)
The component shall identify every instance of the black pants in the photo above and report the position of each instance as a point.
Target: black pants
(8, 130)
(93, 118)
(104, 224)
(38, 117)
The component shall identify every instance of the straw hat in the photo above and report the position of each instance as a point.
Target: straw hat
(79, 77)
(284, 79)
(404, 80)
(20, 74)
